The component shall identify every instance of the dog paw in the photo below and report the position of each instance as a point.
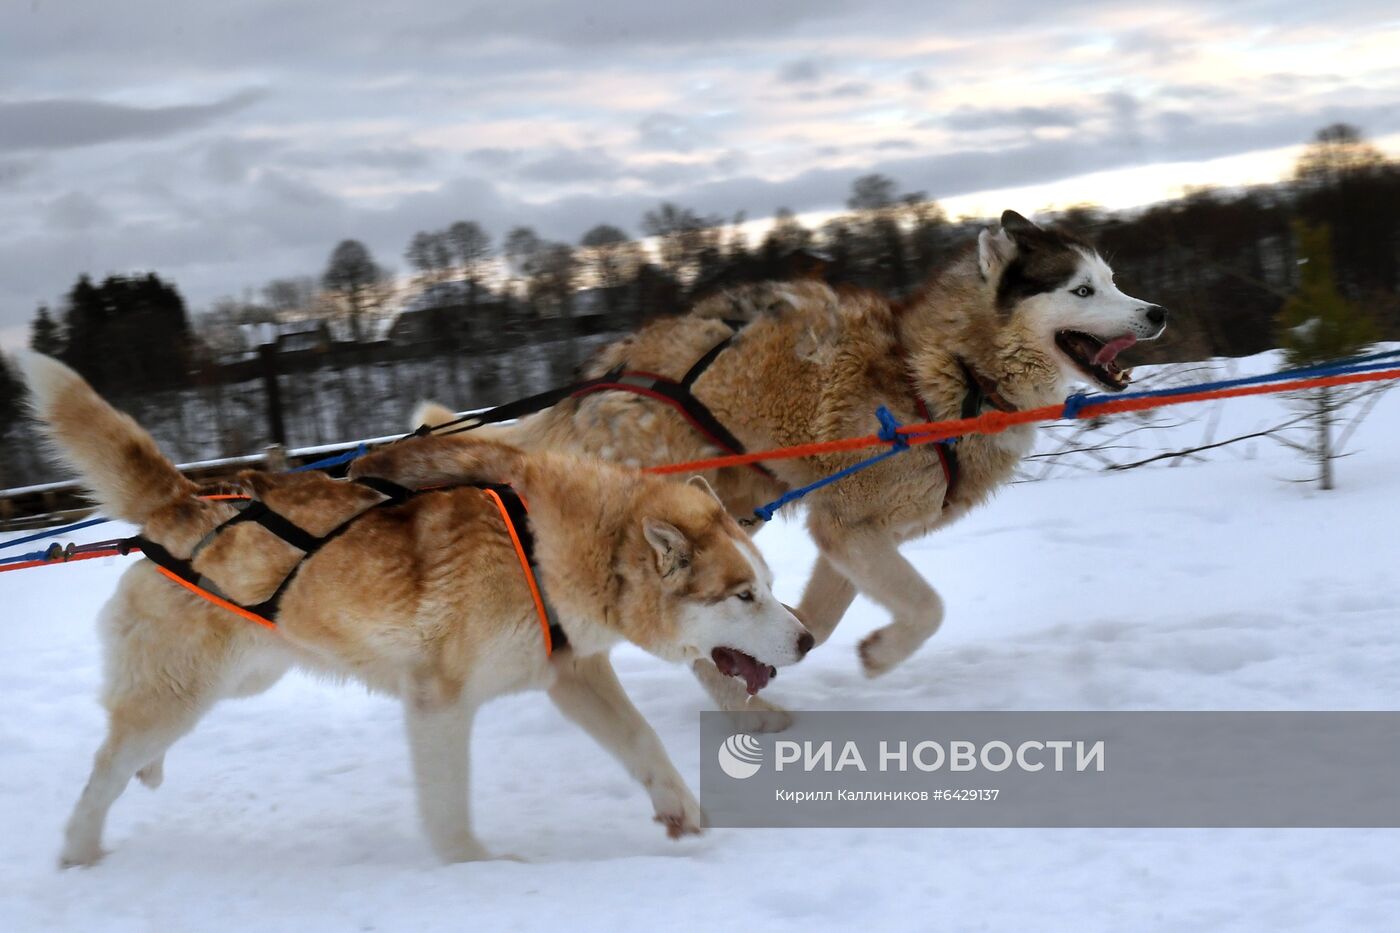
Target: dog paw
(80, 858)
(466, 849)
(885, 649)
(153, 774)
(679, 811)
(679, 824)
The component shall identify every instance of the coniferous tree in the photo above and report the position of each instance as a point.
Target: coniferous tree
(9, 395)
(45, 334)
(129, 334)
(1317, 324)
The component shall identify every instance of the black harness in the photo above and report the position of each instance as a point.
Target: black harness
(973, 402)
(252, 510)
(678, 393)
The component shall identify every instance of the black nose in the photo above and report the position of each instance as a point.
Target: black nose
(804, 644)
(1157, 314)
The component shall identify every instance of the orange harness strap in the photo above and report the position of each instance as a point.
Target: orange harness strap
(546, 626)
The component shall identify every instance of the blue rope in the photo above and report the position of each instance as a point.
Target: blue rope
(32, 555)
(332, 461)
(889, 432)
(53, 531)
(1076, 403)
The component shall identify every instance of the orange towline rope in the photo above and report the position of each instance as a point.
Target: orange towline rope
(994, 422)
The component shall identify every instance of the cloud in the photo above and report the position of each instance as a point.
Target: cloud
(74, 212)
(800, 71)
(13, 170)
(394, 158)
(561, 115)
(1023, 118)
(565, 166)
(670, 131)
(846, 89)
(66, 124)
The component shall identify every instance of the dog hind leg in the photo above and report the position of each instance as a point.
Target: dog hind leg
(251, 683)
(141, 727)
(587, 691)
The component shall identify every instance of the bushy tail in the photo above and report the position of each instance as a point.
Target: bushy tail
(115, 458)
(432, 414)
(424, 462)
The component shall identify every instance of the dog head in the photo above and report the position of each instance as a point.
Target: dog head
(1061, 292)
(712, 591)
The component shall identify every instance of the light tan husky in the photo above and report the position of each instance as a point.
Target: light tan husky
(426, 600)
(1012, 323)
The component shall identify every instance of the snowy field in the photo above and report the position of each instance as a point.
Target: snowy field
(1212, 585)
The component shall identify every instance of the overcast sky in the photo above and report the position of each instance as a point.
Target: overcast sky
(226, 144)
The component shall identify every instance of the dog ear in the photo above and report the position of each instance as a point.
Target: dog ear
(670, 544)
(699, 482)
(995, 251)
(1016, 225)
(1026, 234)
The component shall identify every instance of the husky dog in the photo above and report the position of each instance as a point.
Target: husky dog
(426, 599)
(1012, 322)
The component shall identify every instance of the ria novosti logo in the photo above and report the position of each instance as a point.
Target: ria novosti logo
(740, 756)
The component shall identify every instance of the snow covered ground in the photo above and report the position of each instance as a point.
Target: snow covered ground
(1212, 585)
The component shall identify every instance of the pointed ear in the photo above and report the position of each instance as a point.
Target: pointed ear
(699, 482)
(995, 250)
(1016, 225)
(1026, 235)
(670, 544)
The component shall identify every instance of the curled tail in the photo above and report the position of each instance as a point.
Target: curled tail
(114, 457)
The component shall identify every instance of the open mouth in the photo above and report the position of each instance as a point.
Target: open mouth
(1097, 359)
(734, 663)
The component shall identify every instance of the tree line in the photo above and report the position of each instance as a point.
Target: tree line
(1225, 262)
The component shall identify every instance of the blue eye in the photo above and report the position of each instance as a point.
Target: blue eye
(746, 596)
(1084, 291)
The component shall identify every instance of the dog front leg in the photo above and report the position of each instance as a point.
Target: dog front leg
(869, 557)
(439, 733)
(587, 691)
(825, 599)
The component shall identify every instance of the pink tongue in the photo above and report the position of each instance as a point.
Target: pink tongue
(734, 663)
(1113, 348)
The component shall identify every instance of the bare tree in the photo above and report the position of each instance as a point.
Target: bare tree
(431, 255)
(552, 282)
(873, 192)
(1336, 152)
(682, 236)
(352, 274)
(609, 258)
(522, 249)
(471, 247)
(289, 296)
